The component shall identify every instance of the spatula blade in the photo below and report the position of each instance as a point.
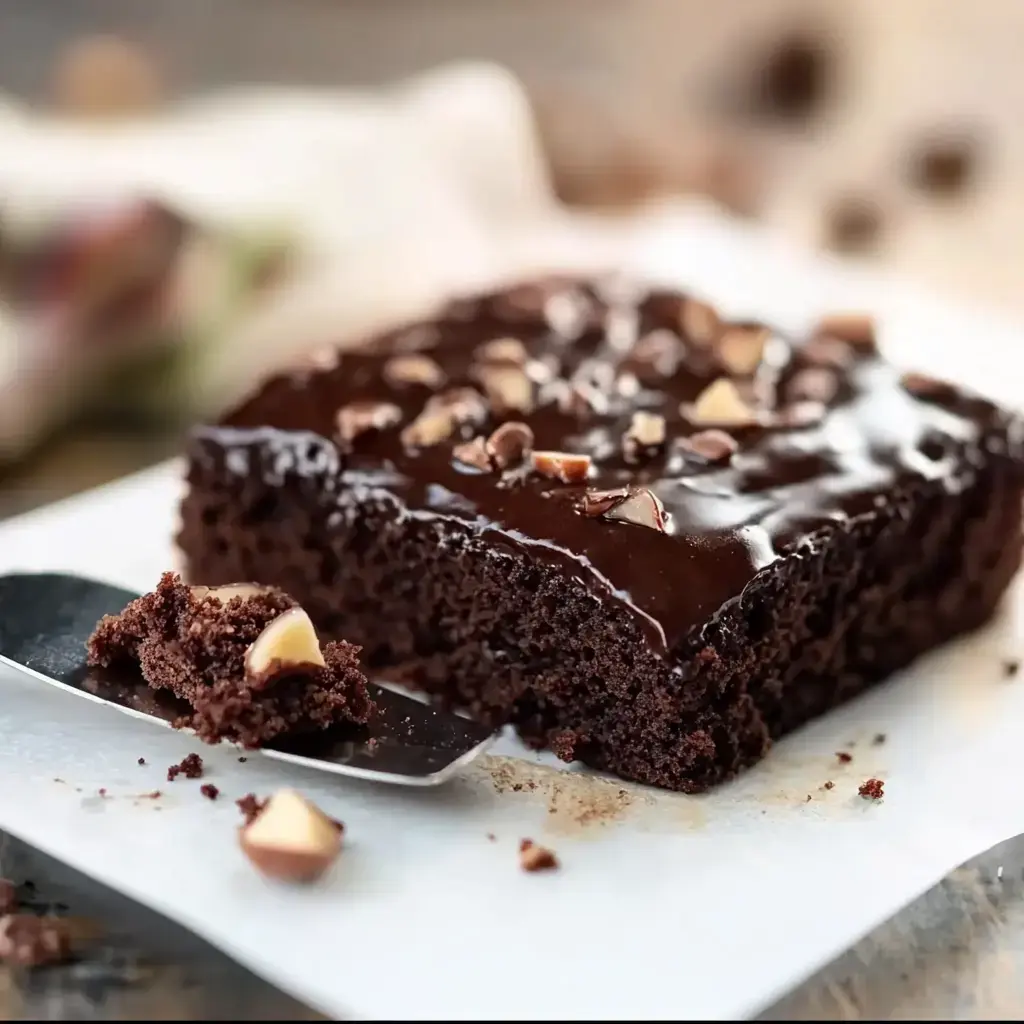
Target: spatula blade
(46, 619)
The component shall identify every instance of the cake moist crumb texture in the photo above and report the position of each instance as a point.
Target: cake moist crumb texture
(651, 538)
(197, 643)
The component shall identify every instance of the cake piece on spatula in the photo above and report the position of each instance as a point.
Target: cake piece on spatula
(246, 658)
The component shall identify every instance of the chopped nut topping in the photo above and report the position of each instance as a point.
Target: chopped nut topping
(642, 508)
(564, 466)
(473, 453)
(741, 349)
(580, 400)
(287, 644)
(413, 369)
(509, 444)
(503, 350)
(359, 418)
(428, 429)
(661, 350)
(815, 384)
(543, 370)
(713, 445)
(463, 405)
(597, 503)
(508, 389)
(567, 314)
(627, 386)
(699, 321)
(720, 403)
(646, 433)
(856, 329)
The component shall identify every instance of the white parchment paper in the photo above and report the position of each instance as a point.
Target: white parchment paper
(666, 906)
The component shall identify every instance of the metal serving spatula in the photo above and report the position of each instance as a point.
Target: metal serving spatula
(46, 619)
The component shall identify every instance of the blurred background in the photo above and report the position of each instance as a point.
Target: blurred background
(193, 192)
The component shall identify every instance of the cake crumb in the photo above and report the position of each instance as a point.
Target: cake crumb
(142, 760)
(31, 941)
(102, 791)
(879, 739)
(8, 896)
(242, 760)
(490, 836)
(844, 757)
(536, 858)
(154, 795)
(872, 789)
(250, 805)
(808, 800)
(829, 785)
(209, 790)
(1011, 667)
(191, 767)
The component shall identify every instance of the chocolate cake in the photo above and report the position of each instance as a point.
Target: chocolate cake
(245, 657)
(652, 539)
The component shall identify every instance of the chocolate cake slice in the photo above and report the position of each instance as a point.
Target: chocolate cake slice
(651, 539)
(245, 657)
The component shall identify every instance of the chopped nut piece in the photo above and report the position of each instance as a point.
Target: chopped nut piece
(720, 403)
(642, 508)
(503, 350)
(508, 389)
(856, 329)
(464, 405)
(699, 321)
(536, 858)
(541, 371)
(428, 429)
(564, 466)
(228, 592)
(287, 644)
(473, 453)
(815, 384)
(359, 418)
(413, 369)
(645, 435)
(661, 350)
(567, 313)
(598, 503)
(713, 445)
(509, 444)
(290, 839)
(741, 349)
(580, 399)
(627, 385)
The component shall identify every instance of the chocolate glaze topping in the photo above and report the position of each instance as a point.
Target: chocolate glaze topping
(821, 428)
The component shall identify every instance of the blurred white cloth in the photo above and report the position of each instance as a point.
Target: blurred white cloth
(391, 200)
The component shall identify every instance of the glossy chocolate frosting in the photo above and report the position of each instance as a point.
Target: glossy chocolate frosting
(834, 432)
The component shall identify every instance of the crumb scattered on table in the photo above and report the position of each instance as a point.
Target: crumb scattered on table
(31, 941)
(844, 757)
(879, 739)
(243, 759)
(209, 790)
(873, 789)
(490, 836)
(536, 858)
(142, 760)
(250, 805)
(191, 767)
(1011, 667)
(102, 791)
(829, 785)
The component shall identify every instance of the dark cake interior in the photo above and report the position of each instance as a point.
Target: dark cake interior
(651, 539)
(198, 644)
